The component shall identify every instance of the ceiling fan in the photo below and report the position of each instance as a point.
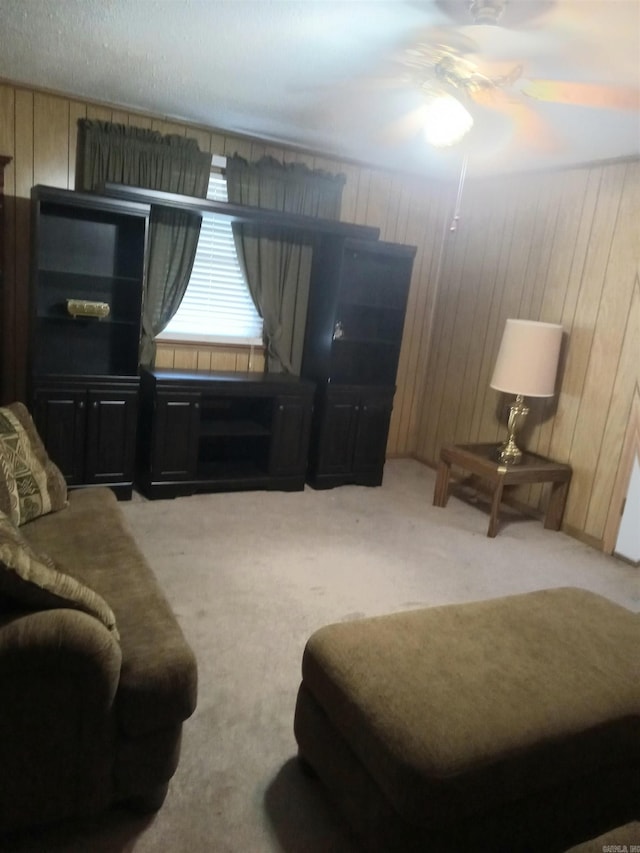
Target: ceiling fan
(472, 64)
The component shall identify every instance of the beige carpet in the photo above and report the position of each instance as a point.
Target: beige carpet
(250, 575)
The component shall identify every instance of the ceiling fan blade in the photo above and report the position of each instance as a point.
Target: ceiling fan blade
(439, 38)
(582, 94)
(527, 128)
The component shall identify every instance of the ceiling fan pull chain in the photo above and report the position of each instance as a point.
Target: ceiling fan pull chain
(456, 212)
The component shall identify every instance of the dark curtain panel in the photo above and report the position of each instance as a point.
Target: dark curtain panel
(276, 266)
(120, 154)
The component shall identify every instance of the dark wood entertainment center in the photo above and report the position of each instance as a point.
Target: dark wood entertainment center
(106, 421)
(222, 431)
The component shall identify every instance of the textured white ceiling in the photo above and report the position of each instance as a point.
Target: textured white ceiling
(311, 73)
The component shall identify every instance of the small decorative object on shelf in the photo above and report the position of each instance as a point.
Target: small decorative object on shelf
(86, 308)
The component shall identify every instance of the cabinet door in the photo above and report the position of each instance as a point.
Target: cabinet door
(337, 433)
(371, 436)
(175, 436)
(111, 435)
(59, 416)
(290, 436)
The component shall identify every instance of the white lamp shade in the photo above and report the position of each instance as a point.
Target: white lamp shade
(527, 361)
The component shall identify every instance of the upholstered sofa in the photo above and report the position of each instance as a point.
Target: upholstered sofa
(96, 676)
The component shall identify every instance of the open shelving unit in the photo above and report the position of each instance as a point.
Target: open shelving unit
(234, 437)
(87, 273)
(94, 257)
(357, 304)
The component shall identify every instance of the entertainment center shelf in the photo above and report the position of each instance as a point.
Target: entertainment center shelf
(214, 431)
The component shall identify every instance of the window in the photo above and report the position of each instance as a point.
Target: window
(217, 306)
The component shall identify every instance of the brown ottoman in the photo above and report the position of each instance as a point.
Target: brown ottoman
(504, 725)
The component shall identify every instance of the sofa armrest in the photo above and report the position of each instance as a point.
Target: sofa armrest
(60, 641)
(59, 673)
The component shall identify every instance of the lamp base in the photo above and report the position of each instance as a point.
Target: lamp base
(509, 453)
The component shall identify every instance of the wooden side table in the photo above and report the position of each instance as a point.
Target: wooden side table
(481, 460)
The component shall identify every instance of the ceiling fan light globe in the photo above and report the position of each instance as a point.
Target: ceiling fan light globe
(446, 121)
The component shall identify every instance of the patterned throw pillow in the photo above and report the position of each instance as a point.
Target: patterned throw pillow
(32, 581)
(31, 485)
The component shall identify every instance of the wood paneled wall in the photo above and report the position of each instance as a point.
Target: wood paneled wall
(559, 247)
(190, 357)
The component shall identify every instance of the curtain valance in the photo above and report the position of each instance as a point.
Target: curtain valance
(135, 156)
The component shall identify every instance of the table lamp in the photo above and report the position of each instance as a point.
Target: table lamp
(526, 366)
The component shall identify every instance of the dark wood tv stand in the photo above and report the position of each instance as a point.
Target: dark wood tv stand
(213, 431)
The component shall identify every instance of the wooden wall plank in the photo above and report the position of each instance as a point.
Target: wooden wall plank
(378, 202)
(204, 359)
(169, 128)
(216, 144)
(467, 245)
(185, 358)
(7, 123)
(579, 445)
(136, 120)
(8, 246)
(77, 111)
(120, 117)
(576, 351)
(362, 198)
(611, 322)
(242, 147)
(425, 213)
(487, 418)
(619, 416)
(630, 451)
(471, 313)
(164, 356)
(570, 201)
(202, 137)
(349, 193)
(24, 180)
(98, 112)
(50, 140)
(478, 367)
(224, 358)
(431, 244)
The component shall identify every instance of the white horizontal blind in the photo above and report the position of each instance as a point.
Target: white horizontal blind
(217, 306)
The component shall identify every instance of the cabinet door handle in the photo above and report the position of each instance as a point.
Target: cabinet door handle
(81, 404)
(95, 404)
(196, 405)
(281, 408)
